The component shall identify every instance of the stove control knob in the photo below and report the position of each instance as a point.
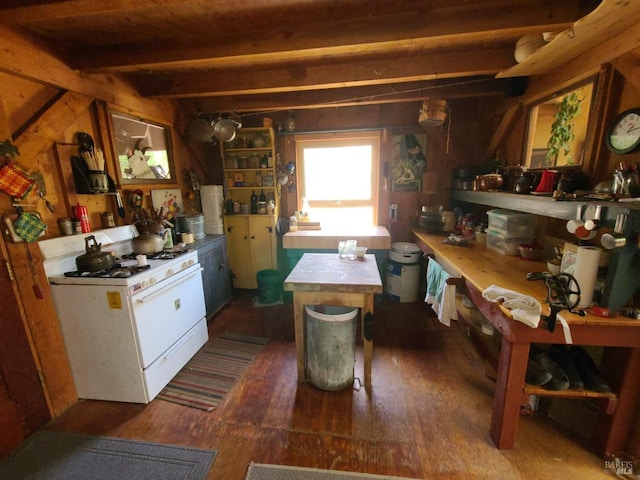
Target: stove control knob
(169, 272)
(144, 284)
(152, 280)
(184, 265)
(191, 261)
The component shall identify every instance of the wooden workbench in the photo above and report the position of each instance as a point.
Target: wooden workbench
(326, 279)
(480, 268)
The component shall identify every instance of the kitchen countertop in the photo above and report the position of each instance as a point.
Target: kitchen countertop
(374, 238)
(483, 267)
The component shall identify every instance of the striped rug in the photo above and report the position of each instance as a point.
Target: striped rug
(213, 371)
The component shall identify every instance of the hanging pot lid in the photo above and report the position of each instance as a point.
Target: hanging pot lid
(201, 130)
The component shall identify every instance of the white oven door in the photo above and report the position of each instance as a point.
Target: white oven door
(164, 313)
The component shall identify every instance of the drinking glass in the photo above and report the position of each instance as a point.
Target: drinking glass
(350, 247)
(342, 249)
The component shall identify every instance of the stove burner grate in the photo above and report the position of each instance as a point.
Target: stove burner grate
(163, 255)
(117, 271)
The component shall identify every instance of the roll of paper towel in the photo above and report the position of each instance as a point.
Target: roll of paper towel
(586, 272)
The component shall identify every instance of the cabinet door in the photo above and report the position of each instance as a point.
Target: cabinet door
(237, 232)
(263, 243)
(222, 275)
(207, 262)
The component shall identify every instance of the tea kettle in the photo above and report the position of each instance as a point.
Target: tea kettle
(149, 242)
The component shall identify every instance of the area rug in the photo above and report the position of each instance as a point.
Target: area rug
(258, 471)
(213, 371)
(51, 455)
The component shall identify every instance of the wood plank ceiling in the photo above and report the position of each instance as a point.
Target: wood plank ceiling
(239, 55)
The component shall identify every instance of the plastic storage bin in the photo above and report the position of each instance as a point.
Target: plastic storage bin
(512, 224)
(504, 244)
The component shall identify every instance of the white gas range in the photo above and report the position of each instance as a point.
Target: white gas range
(130, 330)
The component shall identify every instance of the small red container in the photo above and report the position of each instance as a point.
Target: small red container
(81, 214)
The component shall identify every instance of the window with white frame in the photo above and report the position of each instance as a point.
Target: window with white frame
(338, 177)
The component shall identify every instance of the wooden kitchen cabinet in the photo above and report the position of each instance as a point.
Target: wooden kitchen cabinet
(216, 274)
(249, 166)
(252, 247)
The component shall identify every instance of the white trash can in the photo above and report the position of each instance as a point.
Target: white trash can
(330, 345)
(403, 272)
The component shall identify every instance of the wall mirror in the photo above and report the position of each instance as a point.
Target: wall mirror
(558, 127)
(142, 149)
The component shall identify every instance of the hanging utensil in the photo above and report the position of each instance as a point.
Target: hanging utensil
(225, 130)
(594, 223)
(573, 224)
(120, 205)
(36, 284)
(616, 239)
(42, 191)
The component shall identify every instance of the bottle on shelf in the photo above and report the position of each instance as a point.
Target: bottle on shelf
(254, 202)
(263, 197)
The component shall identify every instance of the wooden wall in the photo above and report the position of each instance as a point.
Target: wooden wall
(43, 104)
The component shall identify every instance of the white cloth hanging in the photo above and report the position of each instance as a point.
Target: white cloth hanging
(440, 295)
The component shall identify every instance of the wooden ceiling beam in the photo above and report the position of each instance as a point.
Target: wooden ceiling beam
(312, 77)
(406, 32)
(408, 92)
(31, 14)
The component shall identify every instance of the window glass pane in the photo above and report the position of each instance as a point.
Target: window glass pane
(338, 173)
(346, 218)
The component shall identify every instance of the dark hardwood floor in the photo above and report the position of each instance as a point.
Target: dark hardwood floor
(427, 415)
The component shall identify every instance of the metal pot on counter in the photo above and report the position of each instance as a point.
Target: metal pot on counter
(95, 259)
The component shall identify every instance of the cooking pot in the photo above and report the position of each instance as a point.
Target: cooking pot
(148, 243)
(491, 181)
(94, 260)
(201, 130)
(225, 130)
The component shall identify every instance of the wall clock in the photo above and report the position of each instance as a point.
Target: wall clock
(624, 133)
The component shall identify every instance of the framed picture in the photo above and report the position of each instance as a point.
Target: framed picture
(408, 162)
(142, 149)
(170, 200)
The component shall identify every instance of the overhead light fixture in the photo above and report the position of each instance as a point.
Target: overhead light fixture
(433, 112)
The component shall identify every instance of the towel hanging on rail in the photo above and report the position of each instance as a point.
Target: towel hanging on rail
(440, 294)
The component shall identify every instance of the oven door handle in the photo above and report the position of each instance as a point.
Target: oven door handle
(161, 290)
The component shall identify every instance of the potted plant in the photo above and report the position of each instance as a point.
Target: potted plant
(562, 133)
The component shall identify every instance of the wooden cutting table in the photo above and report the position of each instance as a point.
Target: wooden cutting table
(327, 279)
(481, 267)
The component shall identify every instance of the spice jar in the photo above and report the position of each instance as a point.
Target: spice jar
(107, 220)
(66, 226)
